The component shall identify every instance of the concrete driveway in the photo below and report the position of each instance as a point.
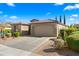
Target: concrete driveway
(26, 43)
(9, 51)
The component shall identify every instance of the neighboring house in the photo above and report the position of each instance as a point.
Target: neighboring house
(76, 25)
(1, 29)
(4, 27)
(22, 28)
(46, 28)
(7, 26)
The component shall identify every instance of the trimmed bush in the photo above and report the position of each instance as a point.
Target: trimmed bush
(76, 32)
(66, 32)
(73, 41)
(73, 28)
(61, 34)
(7, 31)
(59, 43)
(16, 34)
(69, 31)
(8, 34)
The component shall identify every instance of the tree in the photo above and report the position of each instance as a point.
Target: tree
(64, 20)
(34, 20)
(56, 18)
(60, 20)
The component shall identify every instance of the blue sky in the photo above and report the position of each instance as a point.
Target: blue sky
(24, 12)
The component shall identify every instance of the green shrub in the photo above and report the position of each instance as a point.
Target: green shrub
(76, 32)
(69, 31)
(7, 31)
(16, 34)
(59, 43)
(73, 41)
(66, 32)
(73, 28)
(61, 34)
(8, 34)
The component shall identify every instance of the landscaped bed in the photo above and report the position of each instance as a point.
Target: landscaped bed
(61, 52)
(73, 41)
(71, 36)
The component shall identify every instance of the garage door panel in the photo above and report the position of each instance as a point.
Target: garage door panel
(43, 30)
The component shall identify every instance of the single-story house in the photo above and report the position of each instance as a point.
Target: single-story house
(22, 28)
(46, 28)
(5, 27)
(76, 25)
(39, 28)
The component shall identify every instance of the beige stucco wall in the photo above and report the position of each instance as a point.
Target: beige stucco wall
(7, 27)
(17, 28)
(21, 27)
(59, 27)
(24, 28)
(43, 29)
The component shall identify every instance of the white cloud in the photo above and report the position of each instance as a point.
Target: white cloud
(48, 13)
(70, 7)
(58, 3)
(13, 17)
(1, 12)
(10, 4)
(77, 5)
(72, 19)
(74, 15)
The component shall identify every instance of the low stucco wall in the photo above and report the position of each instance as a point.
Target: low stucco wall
(24, 28)
(59, 27)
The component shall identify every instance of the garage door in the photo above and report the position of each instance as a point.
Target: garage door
(43, 30)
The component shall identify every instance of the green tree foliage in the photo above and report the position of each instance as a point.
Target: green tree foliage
(64, 19)
(63, 33)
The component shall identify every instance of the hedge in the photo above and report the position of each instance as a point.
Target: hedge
(7, 31)
(16, 34)
(73, 41)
